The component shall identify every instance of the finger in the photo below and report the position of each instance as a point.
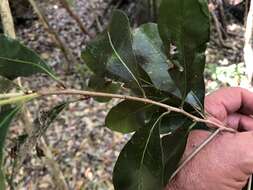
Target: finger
(247, 102)
(240, 122)
(229, 100)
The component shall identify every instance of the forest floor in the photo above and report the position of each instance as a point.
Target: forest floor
(82, 146)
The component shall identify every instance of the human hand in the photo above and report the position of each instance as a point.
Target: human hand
(227, 161)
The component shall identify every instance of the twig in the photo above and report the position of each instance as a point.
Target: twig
(32, 96)
(217, 26)
(196, 151)
(222, 18)
(65, 4)
(11, 95)
(53, 167)
(138, 99)
(66, 52)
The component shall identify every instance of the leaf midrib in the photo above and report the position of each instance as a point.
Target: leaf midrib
(30, 63)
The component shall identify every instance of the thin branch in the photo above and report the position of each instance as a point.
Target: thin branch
(54, 168)
(65, 50)
(11, 95)
(66, 5)
(32, 96)
(217, 26)
(196, 151)
(18, 99)
(138, 99)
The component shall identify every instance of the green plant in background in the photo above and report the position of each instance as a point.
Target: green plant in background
(166, 89)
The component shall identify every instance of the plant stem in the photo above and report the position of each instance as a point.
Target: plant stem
(11, 95)
(18, 99)
(196, 151)
(31, 96)
(138, 99)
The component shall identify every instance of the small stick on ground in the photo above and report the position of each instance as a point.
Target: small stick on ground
(66, 52)
(217, 26)
(66, 5)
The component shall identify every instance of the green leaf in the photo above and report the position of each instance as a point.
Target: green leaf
(140, 163)
(6, 116)
(128, 116)
(172, 122)
(100, 84)
(185, 24)
(16, 60)
(111, 54)
(120, 39)
(149, 50)
(173, 148)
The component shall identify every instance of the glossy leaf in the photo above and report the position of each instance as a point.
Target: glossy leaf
(185, 24)
(100, 84)
(172, 122)
(173, 149)
(148, 48)
(140, 163)
(128, 116)
(16, 60)
(111, 55)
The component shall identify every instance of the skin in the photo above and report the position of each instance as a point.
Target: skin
(226, 162)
